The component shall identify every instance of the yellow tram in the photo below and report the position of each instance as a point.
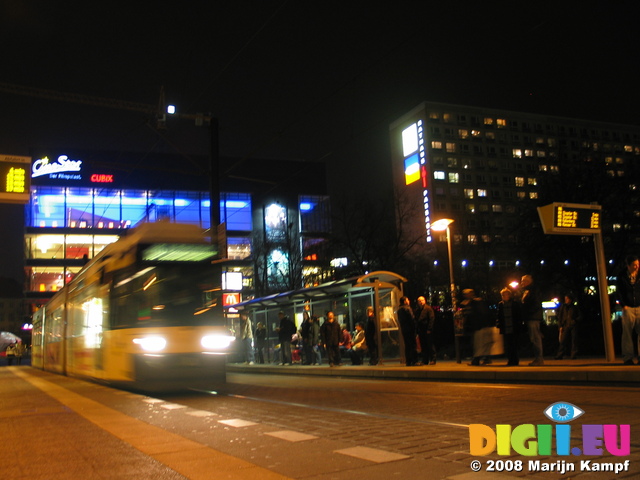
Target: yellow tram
(138, 315)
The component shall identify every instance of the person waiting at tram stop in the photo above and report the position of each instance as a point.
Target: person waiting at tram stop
(569, 318)
(510, 325)
(532, 316)
(628, 289)
(408, 329)
(425, 323)
(359, 347)
(244, 335)
(371, 336)
(345, 340)
(260, 336)
(331, 335)
(286, 330)
(479, 324)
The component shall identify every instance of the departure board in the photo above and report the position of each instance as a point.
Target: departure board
(15, 179)
(570, 219)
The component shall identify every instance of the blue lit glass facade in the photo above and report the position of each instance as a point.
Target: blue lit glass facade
(61, 207)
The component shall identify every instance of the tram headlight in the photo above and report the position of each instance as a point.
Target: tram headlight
(216, 341)
(151, 344)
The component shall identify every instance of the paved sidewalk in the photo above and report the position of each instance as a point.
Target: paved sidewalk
(587, 370)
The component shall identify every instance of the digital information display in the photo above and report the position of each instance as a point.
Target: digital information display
(15, 178)
(570, 219)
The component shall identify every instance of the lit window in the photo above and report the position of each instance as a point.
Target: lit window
(482, 192)
(454, 178)
(521, 195)
(517, 153)
(475, 133)
(468, 192)
(463, 134)
(532, 181)
(470, 207)
(496, 208)
(436, 145)
(501, 122)
(533, 195)
(439, 175)
(451, 147)
(519, 181)
(488, 121)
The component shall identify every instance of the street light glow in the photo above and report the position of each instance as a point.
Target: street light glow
(441, 225)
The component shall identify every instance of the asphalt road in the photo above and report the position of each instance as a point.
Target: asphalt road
(319, 428)
(427, 422)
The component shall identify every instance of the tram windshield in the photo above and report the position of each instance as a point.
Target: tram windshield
(165, 294)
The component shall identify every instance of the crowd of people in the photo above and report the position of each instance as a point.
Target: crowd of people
(308, 343)
(518, 314)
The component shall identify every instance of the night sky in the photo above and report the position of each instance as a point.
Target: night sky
(313, 81)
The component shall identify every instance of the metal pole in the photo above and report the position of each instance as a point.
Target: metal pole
(452, 290)
(605, 309)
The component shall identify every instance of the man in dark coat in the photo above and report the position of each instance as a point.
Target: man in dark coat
(628, 287)
(408, 329)
(331, 334)
(371, 336)
(285, 331)
(510, 325)
(532, 315)
(425, 322)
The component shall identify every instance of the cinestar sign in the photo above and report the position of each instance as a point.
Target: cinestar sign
(44, 166)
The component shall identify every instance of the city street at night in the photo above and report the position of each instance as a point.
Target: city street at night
(322, 426)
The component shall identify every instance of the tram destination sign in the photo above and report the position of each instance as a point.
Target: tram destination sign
(570, 218)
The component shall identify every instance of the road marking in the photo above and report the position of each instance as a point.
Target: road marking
(237, 423)
(201, 413)
(172, 406)
(187, 457)
(372, 454)
(291, 436)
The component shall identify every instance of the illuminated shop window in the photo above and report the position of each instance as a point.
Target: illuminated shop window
(235, 211)
(46, 279)
(134, 206)
(186, 208)
(107, 209)
(238, 248)
(315, 214)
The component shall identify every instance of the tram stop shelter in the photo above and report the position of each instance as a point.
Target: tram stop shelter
(347, 298)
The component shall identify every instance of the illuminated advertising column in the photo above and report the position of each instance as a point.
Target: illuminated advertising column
(410, 163)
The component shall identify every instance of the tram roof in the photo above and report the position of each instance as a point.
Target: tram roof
(324, 290)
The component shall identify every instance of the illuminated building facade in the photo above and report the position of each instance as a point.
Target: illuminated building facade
(82, 201)
(489, 170)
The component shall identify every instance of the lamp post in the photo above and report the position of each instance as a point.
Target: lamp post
(440, 226)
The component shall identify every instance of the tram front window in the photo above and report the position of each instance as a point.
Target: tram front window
(168, 295)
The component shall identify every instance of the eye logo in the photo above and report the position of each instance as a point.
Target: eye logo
(562, 412)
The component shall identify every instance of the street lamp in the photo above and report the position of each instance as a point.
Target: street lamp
(441, 226)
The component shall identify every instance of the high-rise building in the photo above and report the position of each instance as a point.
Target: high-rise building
(489, 170)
